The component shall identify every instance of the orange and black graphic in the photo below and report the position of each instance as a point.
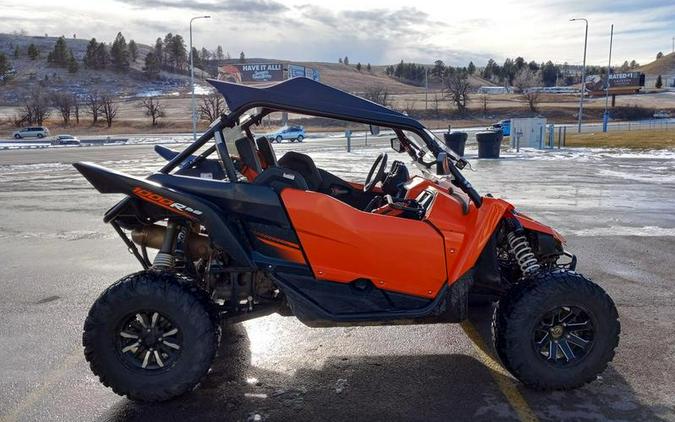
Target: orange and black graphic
(283, 248)
(167, 203)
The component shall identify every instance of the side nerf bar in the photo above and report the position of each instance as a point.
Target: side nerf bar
(184, 204)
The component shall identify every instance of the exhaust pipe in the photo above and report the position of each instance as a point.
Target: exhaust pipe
(198, 245)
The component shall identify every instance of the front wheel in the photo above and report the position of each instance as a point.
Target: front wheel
(151, 336)
(300, 138)
(557, 332)
(279, 139)
(17, 136)
(40, 135)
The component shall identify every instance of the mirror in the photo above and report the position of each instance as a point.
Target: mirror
(374, 130)
(396, 145)
(442, 164)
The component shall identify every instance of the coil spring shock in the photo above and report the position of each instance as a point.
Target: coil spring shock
(521, 249)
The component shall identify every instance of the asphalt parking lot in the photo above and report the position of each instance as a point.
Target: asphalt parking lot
(615, 208)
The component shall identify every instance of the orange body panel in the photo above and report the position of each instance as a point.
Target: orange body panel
(343, 244)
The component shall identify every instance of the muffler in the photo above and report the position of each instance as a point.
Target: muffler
(198, 245)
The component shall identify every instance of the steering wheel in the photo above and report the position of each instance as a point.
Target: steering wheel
(378, 171)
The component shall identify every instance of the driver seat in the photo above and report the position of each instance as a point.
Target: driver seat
(304, 165)
(267, 152)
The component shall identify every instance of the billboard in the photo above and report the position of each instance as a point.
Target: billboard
(254, 72)
(625, 79)
(296, 71)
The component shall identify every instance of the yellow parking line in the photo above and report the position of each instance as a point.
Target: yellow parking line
(52, 378)
(501, 376)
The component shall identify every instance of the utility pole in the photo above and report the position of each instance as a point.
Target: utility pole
(192, 81)
(583, 74)
(605, 117)
(426, 87)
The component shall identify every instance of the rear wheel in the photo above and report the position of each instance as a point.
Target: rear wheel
(300, 138)
(40, 135)
(17, 136)
(557, 332)
(151, 336)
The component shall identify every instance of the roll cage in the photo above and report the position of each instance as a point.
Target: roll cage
(249, 105)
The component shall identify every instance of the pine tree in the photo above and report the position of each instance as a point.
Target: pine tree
(340, 60)
(471, 68)
(73, 67)
(369, 68)
(5, 67)
(119, 54)
(90, 54)
(159, 51)
(152, 66)
(345, 60)
(133, 50)
(196, 60)
(17, 52)
(659, 82)
(219, 53)
(205, 55)
(102, 57)
(33, 51)
(358, 66)
(242, 57)
(60, 56)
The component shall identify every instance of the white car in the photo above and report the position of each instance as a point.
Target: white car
(66, 140)
(31, 132)
(662, 114)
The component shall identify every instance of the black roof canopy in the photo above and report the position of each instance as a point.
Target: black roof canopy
(306, 96)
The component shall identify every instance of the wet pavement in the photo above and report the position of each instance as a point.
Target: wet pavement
(615, 207)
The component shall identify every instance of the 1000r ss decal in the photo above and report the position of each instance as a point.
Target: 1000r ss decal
(167, 203)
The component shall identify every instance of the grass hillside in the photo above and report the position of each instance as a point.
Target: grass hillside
(663, 66)
(31, 74)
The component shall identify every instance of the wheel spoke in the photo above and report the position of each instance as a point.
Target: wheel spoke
(154, 319)
(128, 335)
(158, 359)
(141, 320)
(170, 332)
(569, 314)
(576, 340)
(566, 349)
(577, 324)
(552, 351)
(541, 342)
(146, 359)
(133, 347)
(171, 345)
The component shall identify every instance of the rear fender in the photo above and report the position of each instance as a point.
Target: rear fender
(180, 203)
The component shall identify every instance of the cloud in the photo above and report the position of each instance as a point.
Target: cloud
(242, 7)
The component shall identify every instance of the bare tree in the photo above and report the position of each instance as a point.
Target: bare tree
(211, 107)
(484, 102)
(153, 109)
(35, 110)
(76, 109)
(435, 103)
(377, 94)
(109, 108)
(457, 89)
(64, 104)
(93, 103)
(525, 80)
(409, 106)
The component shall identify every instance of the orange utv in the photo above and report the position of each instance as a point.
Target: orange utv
(240, 235)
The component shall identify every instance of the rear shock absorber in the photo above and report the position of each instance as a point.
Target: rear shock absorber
(164, 258)
(521, 249)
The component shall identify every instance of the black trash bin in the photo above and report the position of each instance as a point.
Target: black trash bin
(489, 143)
(456, 142)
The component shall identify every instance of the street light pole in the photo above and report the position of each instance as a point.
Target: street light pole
(605, 117)
(192, 80)
(583, 74)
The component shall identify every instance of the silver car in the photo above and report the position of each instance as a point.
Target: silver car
(31, 132)
(66, 140)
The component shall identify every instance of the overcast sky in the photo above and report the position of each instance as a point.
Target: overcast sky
(379, 32)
